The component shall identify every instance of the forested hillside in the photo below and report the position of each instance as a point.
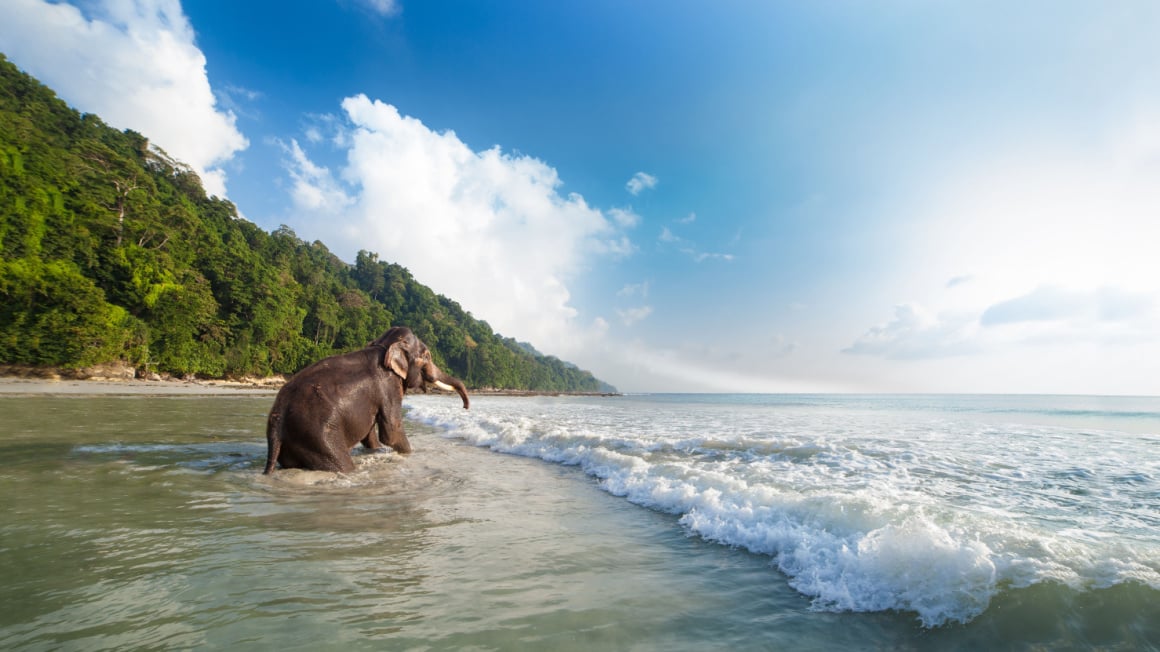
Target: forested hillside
(110, 250)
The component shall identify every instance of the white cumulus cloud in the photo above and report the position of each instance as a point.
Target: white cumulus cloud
(313, 187)
(491, 229)
(135, 65)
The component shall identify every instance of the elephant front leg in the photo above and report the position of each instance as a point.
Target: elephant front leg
(372, 440)
(391, 426)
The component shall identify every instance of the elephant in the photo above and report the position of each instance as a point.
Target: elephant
(323, 411)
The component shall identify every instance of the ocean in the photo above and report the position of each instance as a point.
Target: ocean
(639, 522)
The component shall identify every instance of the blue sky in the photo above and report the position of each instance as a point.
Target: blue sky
(686, 196)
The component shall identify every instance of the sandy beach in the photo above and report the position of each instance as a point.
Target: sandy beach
(105, 387)
(172, 387)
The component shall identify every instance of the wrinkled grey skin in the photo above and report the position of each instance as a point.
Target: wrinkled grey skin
(327, 408)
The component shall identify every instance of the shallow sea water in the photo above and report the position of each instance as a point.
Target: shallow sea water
(144, 521)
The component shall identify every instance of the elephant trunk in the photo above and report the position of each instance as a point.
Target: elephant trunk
(450, 384)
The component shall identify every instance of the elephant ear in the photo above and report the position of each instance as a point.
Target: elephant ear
(396, 359)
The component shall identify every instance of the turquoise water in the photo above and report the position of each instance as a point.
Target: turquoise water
(638, 522)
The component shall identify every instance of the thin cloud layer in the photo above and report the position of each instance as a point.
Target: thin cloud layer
(1060, 250)
(1047, 304)
(631, 316)
(914, 334)
(1046, 316)
(386, 8)
(135, 65)
(667, 237)
(640, 182)
(491, 229)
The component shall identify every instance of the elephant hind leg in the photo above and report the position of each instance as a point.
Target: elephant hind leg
(333, 456)
(311, 460)
(335, 463)
(312, 451)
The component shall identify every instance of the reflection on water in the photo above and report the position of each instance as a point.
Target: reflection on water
(137, 522)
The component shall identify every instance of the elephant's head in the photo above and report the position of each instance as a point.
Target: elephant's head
(408, 357)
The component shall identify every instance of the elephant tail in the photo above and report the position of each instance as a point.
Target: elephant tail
(273, 441)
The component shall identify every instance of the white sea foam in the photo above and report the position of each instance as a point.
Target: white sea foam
(864, 508)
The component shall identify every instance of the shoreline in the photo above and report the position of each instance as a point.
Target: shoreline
(25, 385)
(10, 385)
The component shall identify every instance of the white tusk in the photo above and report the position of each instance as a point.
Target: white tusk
(444, 386)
